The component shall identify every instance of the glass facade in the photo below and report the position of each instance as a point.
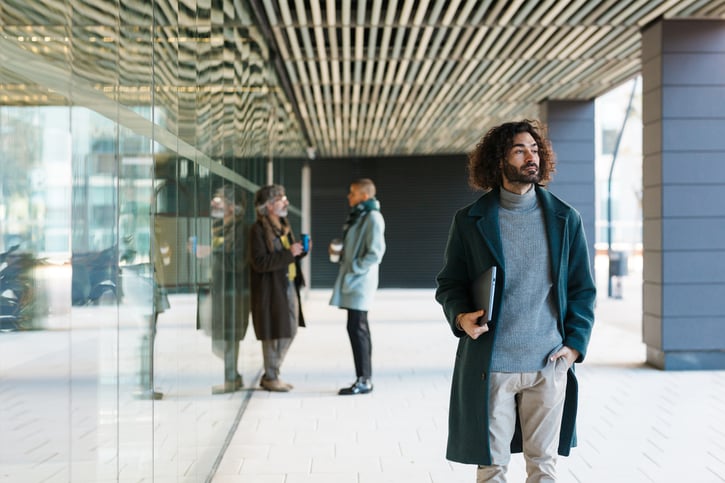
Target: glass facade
(126, 129)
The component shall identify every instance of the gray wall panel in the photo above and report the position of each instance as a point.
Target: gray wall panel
(576, 129)
(693, 300)
(571, 174)
(693, 333)
(567, 111)
(571, 130)
(693, 36)
(693, 134)
(707, 266)
(693, 102)
(576, 196)
(694, 200)
(684, 185)
(693, 234)
(686, 360)
(693, 68)
(692, 167)
(577, 152)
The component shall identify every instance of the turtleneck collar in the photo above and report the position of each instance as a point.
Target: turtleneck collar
(515, 202)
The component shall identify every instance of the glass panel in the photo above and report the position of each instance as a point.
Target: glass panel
(133, 139)
(34, 282)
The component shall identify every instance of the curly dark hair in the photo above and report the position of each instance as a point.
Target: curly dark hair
(484, 162)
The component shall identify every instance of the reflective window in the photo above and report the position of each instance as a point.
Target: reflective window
(131, 144)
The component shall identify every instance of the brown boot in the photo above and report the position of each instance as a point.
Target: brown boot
(274, 385)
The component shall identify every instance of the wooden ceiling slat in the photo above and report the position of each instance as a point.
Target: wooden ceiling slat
(392, 76)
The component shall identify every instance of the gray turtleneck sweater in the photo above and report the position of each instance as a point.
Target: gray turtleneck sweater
(526, 331)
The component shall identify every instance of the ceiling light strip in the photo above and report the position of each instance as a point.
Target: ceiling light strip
(369, 64)
(407, 69)
(383, 63)
(298, 76)
(313, 73)
(388, 94)
(337, 64)
(322, 62)
(413, 123)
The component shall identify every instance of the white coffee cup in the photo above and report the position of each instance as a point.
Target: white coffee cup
(335, 250)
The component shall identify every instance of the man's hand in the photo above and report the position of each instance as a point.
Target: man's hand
(569, 354)
(468, 323)
(296, 249)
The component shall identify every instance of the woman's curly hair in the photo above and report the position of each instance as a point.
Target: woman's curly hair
(484, 162)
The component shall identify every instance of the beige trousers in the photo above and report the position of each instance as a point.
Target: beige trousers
(539, 397)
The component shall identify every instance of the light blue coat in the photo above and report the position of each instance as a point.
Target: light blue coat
(363, 249)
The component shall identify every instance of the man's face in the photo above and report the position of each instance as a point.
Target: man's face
(278, 206)
(356, 195)
(221, 207)
(521, 166)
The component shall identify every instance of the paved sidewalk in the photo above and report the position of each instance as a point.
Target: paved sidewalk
(636, 424)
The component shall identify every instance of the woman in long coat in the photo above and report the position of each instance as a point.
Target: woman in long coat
(275, 281)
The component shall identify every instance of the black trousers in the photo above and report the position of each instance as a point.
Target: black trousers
(359, 332)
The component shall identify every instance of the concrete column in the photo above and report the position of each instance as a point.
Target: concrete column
(571, 130)
(683, 72)
(306, 206)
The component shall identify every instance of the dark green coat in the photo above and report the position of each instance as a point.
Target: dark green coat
(474, 244)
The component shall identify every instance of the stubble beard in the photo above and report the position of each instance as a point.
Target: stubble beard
(519, 176)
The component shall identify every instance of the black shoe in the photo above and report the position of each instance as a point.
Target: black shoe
(361, 386)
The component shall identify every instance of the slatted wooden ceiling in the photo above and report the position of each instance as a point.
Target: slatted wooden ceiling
(375, 78)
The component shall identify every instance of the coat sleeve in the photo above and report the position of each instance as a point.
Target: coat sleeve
(262, 260)
(452, 290)
(580, 293)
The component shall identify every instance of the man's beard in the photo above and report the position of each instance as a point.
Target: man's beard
(519, 176)
(282, 212)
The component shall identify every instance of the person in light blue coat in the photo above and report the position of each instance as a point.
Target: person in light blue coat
(357, 279)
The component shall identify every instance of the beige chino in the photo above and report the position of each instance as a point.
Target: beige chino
(539, 397)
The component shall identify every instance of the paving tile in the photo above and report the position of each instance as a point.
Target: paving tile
(631, 427)
(323, 478)
(344, 464)
(280, 465)
(636, 424)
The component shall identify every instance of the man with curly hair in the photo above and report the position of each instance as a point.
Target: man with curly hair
(513, 387)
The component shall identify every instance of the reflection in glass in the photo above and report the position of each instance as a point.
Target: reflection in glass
(116, 128)
(223, 308)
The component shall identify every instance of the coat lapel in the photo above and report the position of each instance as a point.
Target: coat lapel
(486, 209)
(556, 229)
